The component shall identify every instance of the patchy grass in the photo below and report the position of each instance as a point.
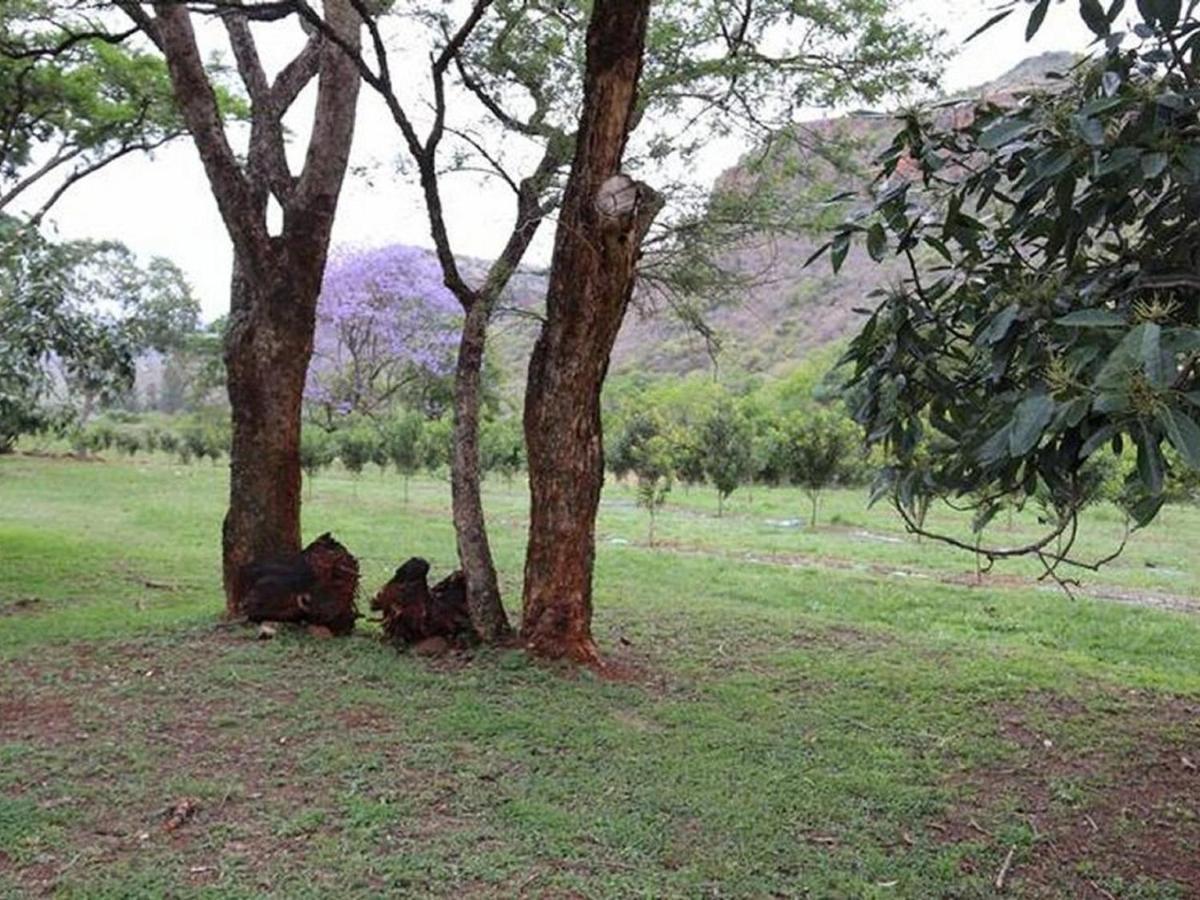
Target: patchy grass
(793, 726)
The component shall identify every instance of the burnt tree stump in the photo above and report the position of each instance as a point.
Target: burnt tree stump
(412, 612)
(317, 586)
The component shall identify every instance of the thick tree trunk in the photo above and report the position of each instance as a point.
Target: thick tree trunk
(266, 358)
(601, 227)
(474, 552)
(277, 278)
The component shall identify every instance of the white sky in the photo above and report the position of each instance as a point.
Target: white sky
(162, 205)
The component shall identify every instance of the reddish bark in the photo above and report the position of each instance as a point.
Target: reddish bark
(276, 278)
(591, 281)
(317, 586)
(412, 613)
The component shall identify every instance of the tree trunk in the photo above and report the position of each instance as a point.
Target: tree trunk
(276, 278)
(266, 358)
(591, 281)
(474, 552)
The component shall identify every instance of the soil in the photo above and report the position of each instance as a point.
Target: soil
(1118, 806)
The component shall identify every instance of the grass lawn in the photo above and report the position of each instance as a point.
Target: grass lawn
(836, 711)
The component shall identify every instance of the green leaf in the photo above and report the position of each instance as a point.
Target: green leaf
(1150, 463)
(998, 17)
(1036, 18)
(1153, 164)
(1101, 104)
(1184, 435)
(1168, 12)
(841, 246)
(1094, 17)
(876, 242)
(998, 328)
(1099, 437)
(1144, 511)
(995, 448)
(1091, 130)
(1030, 419)
(1002, 132)
(1120, 158)
(1092, 318)
(1151, 353)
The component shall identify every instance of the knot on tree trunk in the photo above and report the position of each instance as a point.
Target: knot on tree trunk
(318, 586)
(413, 613)
(625, 205)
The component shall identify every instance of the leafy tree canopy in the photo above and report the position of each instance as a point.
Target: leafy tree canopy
(72, 97)
(1053, 243)
(73, 316)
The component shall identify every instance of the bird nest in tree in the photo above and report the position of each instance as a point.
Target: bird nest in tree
(318, 586)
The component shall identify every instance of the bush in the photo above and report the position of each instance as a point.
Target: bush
(356, 446)
(317, 451)
(127, 442)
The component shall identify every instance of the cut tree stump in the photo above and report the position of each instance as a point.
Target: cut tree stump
(317, 587)
(413, 614)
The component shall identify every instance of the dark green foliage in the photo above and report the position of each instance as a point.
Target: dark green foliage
(435, 442)
(816, 450)
(502, 447)
(726, 444)
(357, 446)
(317, 450)
(1051, 310)
(46, 327)
(645, 449)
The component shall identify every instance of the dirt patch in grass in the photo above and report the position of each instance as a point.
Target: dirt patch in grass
(44, 720)
(1095, 796)
(20, 605)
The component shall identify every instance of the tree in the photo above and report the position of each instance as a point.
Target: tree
(644, 449)
(46, 327)
(1053, 244)
(816, 450)
(317, 451)
(73, 99)
(277, 277)
(521, 62)
(725, 441)
(384, 321)
(604, 218)
(502, 447)
(402, 442)
(356, 446)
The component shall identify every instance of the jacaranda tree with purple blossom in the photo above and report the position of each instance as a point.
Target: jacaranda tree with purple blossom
(384, 321)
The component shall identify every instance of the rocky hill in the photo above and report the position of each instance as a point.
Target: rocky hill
(786, 310)
(791, 309)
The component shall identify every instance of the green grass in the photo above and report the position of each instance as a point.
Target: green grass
(803, 719)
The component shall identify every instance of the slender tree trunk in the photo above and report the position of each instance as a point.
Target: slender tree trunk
(591, 281)
(470, 527)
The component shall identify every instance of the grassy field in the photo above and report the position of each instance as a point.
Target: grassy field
(827, 712)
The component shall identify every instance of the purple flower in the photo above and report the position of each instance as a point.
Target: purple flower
(383, 318)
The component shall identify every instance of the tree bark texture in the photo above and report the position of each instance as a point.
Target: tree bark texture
(474, 551)
(277, 279)
(591, 281)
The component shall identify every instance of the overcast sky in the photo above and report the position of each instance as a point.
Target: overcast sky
(162, 205)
